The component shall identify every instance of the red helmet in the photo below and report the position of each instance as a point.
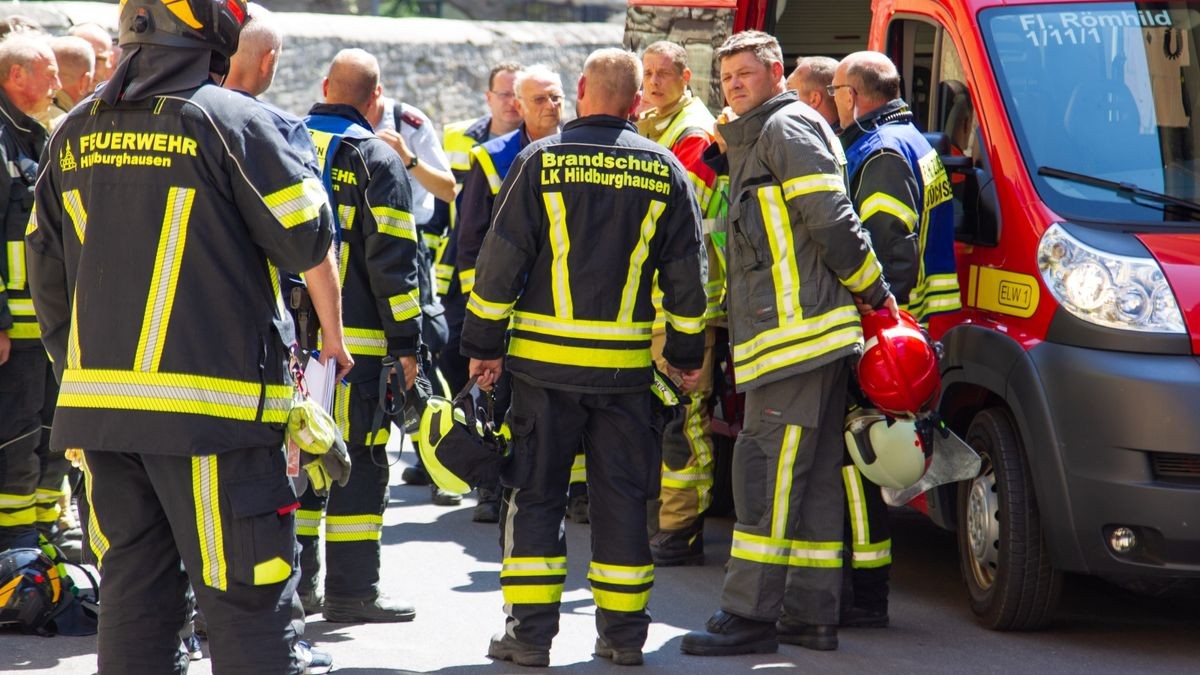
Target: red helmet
(898, 371)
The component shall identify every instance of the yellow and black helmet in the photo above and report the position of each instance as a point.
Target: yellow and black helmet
(211, 24)
(460, 444)
(31, 590)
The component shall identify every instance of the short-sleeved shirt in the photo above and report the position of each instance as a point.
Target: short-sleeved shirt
(423, 141)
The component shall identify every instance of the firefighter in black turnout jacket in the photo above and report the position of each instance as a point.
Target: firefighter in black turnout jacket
(583, 221)
(162, 207)
(377, 252)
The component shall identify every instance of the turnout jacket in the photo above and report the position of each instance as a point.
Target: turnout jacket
(903, 196)
(377, 251)
(457, 140)
(796, 250)
(157, 228)
(582, 223)
(490, 163)
(21, 142)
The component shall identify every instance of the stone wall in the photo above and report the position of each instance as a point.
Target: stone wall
(438, 65)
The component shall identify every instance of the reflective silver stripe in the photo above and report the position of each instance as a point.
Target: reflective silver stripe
(577, 328)
(74, 208)
(208, 520)
(298, 203)
(620, 574)
(16, 265)
(167, 262)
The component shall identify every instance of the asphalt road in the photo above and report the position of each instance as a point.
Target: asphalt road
(449, 567)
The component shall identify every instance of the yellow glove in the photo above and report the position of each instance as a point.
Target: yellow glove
(323, 454)
(326, 469)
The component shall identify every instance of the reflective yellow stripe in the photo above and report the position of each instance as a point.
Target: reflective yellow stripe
(817, 182)
(581, 329)
(16, 266)
(783, 480)
(96, 539)
(208, 521)
(619, 601)
(405, 306)
(457, 144)
(586, 357)
(277, 290)
(579, 469)
(495, 181)
(73, 204)
(856, 506)
(866, 274)
(784, 273)
(346, 216)
(685, 324)
(366, 527)
(637, 258)
(868, 556)
(167, 261)
(623, 575)
(778, 551)
(704, 193)
(17, 501)
(343, 263)
(271, 571)
(173, 393)
(443, 274)
(365, 341)
(466, 280)
(560, 245)
(797, 353)
(395, 222)
(24, 330)
(534, 567)
(297, 204)
(18, 518)
(485, 309)
(686, 479)
(30, 228)
(20, 306)
(885, 203)
(536, 594)
(341, 409)
(308, 522)
(797, 330)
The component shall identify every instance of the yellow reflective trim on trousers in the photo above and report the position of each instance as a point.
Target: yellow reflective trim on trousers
(173, 393)
(816, 182)
(486, 309)
(784, 272)
(443, 275)
(582, 329)
(791, 552)
(20, 306)
(619, 601)
(297, 204)
(206, 501)
(346, 216)
(308, 522)
(796, 330)
(866, 274)
(783, 480)
(534, 567)
(47, 509)
(885, 203)
(690, 325)
(24, 330)
(165, 278)
(856, 506)
(532, 594)
(637, 258)
(19, 518)
(96, 539)
(16, 266)
(271, 571)
(560, 245)
(869, 556)
(623, 575)
(9, 501)
(466, 280)
(405, 306)
(364, 527)
(395, 222)
(579, 469)
(341, 409)
(73, 204)
(798, 353)
(586, 357)
(365, 341)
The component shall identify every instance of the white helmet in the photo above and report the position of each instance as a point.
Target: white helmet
(887, 452)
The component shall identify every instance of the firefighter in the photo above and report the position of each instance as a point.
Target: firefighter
(809, 80)
(902, 194)
(583, 222)
(677, 120)
(370, 194)
(162, 211)
(539, 97)
(797, 258)
(31, 477)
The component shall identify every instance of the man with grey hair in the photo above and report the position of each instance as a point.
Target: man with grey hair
(809, 80)
(792, 349)
(76, 68)
(28, 80)
(584, 222)
(102, 45)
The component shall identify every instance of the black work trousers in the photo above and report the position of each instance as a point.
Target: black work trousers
(22, 399)
(868, 537)
(623, 459)
(229, 517)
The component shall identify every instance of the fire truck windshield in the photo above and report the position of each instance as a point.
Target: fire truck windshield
(1109, 90)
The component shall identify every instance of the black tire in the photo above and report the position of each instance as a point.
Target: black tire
(1005, 564)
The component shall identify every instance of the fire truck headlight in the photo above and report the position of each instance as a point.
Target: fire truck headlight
(1106, 289)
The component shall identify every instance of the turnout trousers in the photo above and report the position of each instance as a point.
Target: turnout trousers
(230, 519)
(354, 513)
(622, 459)
(687, 448)
(52, 466)
(786, 557)
(22, 398)
(868, 535)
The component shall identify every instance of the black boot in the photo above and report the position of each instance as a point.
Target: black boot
(864, 617)
(672, 548)
(377, 608)
(811, 636)
(622, 656)
(728, 634)
(506, 648)
(487, 507)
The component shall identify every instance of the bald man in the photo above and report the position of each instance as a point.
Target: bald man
(902, 194)
(102, 45)
(809, 80)
(76, 67)
(370, 193)
(584, 221)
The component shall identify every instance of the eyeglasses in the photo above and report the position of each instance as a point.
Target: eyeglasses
(539, 101)
(831, 89)
(504, 95)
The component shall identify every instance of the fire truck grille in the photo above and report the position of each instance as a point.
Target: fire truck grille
(1176, 467)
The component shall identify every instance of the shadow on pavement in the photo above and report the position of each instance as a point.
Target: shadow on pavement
(23, 652)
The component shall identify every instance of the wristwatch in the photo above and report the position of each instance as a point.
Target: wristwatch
(412, 163)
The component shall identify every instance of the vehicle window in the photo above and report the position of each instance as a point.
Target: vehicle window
(911, 45)
(646, 24)
(1106, 90)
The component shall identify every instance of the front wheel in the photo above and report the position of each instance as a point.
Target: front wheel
(1001, 548)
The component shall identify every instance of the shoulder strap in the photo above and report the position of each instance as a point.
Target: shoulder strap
(327, 133)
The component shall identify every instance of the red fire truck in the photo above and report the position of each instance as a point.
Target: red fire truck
(1074, 368)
